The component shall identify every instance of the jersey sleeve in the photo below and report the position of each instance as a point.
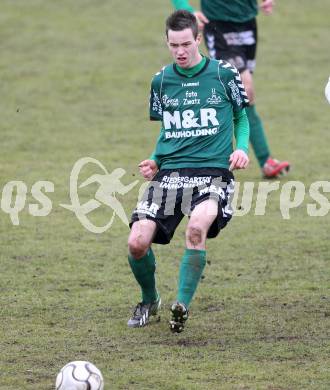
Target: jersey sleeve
(231, 79)
(241, 130)
(155, 102)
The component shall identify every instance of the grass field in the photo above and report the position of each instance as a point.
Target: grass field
(74, 83)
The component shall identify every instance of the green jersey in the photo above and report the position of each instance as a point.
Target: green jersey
(197, 115)
(238, 11)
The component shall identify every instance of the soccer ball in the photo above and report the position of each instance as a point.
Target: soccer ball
(79, 375)
(327, 91)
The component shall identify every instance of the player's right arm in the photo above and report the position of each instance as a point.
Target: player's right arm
(148, 168)
(184, 4)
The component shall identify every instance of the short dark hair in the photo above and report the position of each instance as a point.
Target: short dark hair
(180, 20)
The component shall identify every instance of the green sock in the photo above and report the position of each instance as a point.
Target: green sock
(191, 269)
(144, 272)
(257, 136)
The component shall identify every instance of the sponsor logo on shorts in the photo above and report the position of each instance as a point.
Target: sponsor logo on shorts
(240, 38)
(214, 190)
(147, 208)
(175, 182)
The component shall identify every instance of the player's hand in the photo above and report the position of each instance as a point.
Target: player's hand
(201, 19)
(148, 169)
(238, 160)
(267, 6)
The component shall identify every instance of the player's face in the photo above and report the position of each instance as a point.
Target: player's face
(184, 47)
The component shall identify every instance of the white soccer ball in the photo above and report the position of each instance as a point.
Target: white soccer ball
(327, 91)
(79, 375)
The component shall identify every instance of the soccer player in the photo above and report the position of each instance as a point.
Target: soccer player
(200, 103)
(230, 33)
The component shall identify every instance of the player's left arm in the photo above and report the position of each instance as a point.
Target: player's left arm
(239, 158)
(231, 80)
(267, 6)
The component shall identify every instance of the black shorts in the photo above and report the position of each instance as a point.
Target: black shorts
(174, 193)
(233, 42)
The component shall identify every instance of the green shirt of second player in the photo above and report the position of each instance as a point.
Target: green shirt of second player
(225, 10)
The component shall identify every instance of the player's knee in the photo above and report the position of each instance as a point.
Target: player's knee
(137, 247)
(194, 235)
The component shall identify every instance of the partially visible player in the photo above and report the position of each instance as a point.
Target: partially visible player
(230, 32)
(327, 91)
(200, 104)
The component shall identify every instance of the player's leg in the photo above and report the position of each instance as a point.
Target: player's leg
(154, 220)
(270, 167)
(257, 133)
(194, 258)
(143, 265)
(211, 211)
(193, 261)
(141, 257)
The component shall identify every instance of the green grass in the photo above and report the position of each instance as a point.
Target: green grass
(75, 82)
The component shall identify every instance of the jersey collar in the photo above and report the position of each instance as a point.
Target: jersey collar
(194, 71)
